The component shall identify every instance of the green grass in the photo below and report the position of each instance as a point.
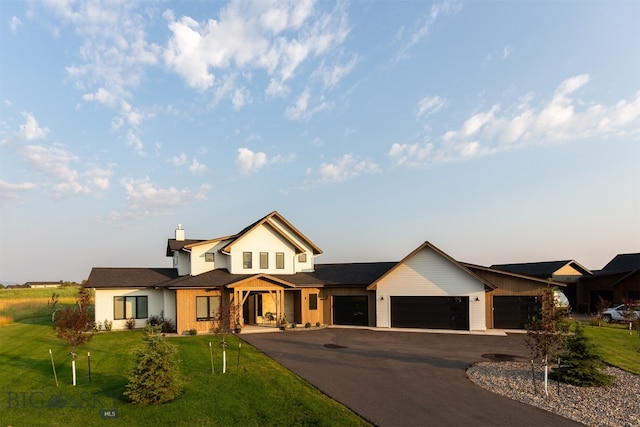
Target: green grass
(258, 392)
(19, 304)
(616, 346)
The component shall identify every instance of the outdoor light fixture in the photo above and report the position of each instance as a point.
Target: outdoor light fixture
(477, 299)
(381, 298)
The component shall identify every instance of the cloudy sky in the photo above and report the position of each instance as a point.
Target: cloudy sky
(498, 131)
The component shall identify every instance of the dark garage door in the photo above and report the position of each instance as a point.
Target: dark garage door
(430, 312)
(514, 312)
(351, 310)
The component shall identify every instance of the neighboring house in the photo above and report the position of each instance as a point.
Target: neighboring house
(619, 280)
(567, 271)
(43, 284)
(268, 271)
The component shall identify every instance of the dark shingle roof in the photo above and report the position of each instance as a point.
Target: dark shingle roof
(176, 245)
(622, 263)
(542, 270)
(129, 277)
(363, 274)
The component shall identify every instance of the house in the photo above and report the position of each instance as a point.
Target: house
(43, 284)
(268, 273)
(619, 280)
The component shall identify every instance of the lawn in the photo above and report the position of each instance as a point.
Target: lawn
(19, 304)
(255, 392)
(616, 346)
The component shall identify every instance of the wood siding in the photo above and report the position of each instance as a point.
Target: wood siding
(326, 295)
(186, 310)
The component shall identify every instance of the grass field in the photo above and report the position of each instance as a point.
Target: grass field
(19, 304)
(617, 347)
(257, 392)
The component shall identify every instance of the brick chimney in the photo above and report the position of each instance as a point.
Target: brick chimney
(180, 233)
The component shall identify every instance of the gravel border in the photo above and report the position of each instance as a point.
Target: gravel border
(614, 406)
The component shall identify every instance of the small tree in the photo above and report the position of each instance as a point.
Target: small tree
(601, 306)
(581, 364)
(74, 325)
(545, 332)
(154, 379)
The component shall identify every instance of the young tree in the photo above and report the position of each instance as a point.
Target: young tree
(581, 363)
(154, 379)
(74, 325)
(545, 332)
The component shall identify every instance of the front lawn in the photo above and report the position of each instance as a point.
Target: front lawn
(256, 392)
(617, 347)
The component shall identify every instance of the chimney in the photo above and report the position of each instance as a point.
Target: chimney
(180, 233)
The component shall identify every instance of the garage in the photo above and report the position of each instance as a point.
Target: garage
(514, 312)
(351, 310)
(430, 312)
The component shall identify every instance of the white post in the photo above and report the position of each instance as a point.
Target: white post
(224, 360)
(73, 371)
(546, 377)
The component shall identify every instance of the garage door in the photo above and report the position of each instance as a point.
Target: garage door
(514, 312)
(351, 310)
(430, 312)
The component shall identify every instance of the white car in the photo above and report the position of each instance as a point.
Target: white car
(619, 314)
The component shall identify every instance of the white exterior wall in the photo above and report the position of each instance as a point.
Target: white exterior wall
(263, 239)
(198, 263)
(181, 263)
(299, 266)
(104, 305)
(427, 273)
(169, 305)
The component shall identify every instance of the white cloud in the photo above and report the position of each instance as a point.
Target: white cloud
(102, 96)
(424, 26)
(276, 37)
(12, 192)
(506, 51)
(429, 105)
(31, 130)
(345, 168)
(15, 24)
(560, 119)
(145, 199)
(197, 168)
(134, 141)
(331, 76)
(99, 178)
(250, 162)
(301, 109)
(179, 160)
(55, 163)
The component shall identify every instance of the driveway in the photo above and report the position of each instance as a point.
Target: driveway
(404, 378)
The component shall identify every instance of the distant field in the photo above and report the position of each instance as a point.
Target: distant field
(20, 304)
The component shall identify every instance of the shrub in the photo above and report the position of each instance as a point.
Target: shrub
(193, 332)
(581, 364)
(307, 325)
(130, 323)
(108, 324)
(154, 379)
(317, 324)
(166, 325)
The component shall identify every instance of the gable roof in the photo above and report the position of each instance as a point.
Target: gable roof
(268, 220)
(348, 274)
(542, 270)
(129, 277)
(177, 245)
(428, 245)
(474, 267)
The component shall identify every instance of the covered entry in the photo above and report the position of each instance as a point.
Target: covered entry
(351, 310)
(429, 312)
(514, 312)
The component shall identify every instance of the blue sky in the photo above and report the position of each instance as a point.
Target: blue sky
(498, 131)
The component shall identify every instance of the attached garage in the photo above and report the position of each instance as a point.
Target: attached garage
(351, 310)
(428, 312)
(514, 312)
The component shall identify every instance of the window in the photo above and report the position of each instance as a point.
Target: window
(130, 307)
(302, 257)
(264, 260)
(280, 260)
(313, 301)
(207, 308)
(208, 257)
(247, 259)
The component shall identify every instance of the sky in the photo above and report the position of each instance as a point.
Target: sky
(500, 132)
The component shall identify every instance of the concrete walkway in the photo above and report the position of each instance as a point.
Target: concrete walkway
(395, 378)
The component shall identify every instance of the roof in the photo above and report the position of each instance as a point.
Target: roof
(441, 253)
(129, 277)
(348, 274)
(176, 245)
(542, 270)
(623, 263)
(474, 267)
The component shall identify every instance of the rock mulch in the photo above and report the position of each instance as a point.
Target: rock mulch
(614, 406)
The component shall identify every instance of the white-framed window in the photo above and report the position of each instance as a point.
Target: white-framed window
(130, 307)
(209, 257)
(247, 260)
(279, 260)
(264, 260)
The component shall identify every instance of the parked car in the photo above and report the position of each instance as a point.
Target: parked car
(619, 314)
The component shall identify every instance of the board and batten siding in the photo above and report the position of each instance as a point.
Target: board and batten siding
(427, 273)
(186, 310)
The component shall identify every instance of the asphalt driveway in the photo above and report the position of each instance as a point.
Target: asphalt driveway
(404, 378)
